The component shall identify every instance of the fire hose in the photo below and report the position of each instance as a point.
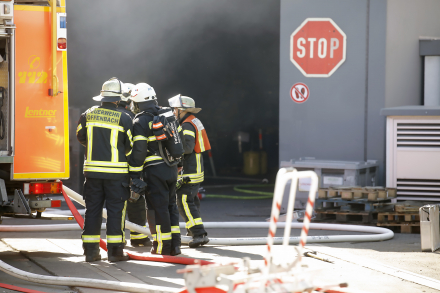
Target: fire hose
(379, 234)
(83, 282)
(241, 188)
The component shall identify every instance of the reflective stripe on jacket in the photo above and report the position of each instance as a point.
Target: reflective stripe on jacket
(106, 134)
(192, 161)
(202, 142)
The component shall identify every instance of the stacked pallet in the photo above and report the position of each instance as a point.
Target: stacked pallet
(352, 205)
(348, 193)
(404, 219)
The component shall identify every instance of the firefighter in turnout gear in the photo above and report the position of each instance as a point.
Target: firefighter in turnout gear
(160, 178)
(106, 134)
(136, 209)
(195, 142)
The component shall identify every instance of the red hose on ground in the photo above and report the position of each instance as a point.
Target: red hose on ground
(135, 256)
(205, 290)
(19, 289)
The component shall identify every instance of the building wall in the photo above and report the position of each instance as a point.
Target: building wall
(331, 124)
(407, 20)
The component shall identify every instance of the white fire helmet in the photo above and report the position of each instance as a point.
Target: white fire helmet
(126, 89)
(143, 92)
(184, 103)
(112, 91)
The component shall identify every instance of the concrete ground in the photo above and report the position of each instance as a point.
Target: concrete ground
(395, 265)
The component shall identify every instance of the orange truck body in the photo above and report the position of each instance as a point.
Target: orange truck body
(41, 121)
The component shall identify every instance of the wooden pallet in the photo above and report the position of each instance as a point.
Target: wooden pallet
(349, 193)
(393, 217)
(401, 222)
(346, 217)
(402, 228)
(362, 204)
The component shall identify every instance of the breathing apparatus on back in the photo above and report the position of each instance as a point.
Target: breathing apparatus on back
(165, 126)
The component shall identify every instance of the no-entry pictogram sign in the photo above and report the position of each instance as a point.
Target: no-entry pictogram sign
(318, 47)
(299, 92)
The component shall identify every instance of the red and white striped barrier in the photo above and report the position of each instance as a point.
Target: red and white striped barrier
(283, 176)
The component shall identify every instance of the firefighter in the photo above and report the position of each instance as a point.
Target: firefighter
(106, 134)
(159, 178)
(136, 209)
(195, 142)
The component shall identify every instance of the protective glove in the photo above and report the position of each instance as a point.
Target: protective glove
(138, 186)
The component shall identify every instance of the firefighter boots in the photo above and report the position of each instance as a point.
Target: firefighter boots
(116, 253)
(92, 255)
(175, 251)
(198, 241)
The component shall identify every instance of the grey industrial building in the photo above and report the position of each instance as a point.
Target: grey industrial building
(341, 120)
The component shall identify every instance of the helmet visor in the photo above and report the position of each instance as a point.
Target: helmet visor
(176, 102)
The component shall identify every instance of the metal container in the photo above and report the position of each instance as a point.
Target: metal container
(251, 163)
(429, 228)
(330, 173)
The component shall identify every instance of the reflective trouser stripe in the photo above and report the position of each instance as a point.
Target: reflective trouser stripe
(91, 238)
(159, 240)
(165, 236)
(175, 229)
(115, 239)
(187, 212)
(123, 221)
(197, 221)
(202, 145)
(89, 143)
(137, 235)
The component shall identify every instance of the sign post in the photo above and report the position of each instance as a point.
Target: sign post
(318, 47)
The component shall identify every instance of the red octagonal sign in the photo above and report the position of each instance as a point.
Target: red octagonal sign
(317, 47)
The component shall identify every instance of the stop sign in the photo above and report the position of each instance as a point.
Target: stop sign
(317, 47)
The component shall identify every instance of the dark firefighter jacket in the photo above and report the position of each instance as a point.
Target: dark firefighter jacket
(107, 135)
(192, 161)
(145, 147)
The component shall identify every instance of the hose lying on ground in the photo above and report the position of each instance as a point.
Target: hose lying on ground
(83, 282)
(380, 234)
(19, 289)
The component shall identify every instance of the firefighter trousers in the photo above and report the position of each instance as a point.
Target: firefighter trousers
(162, 212)
(111, 193)
(189, 209)
(137, 213)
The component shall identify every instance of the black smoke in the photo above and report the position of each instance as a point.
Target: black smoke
(222, 53)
